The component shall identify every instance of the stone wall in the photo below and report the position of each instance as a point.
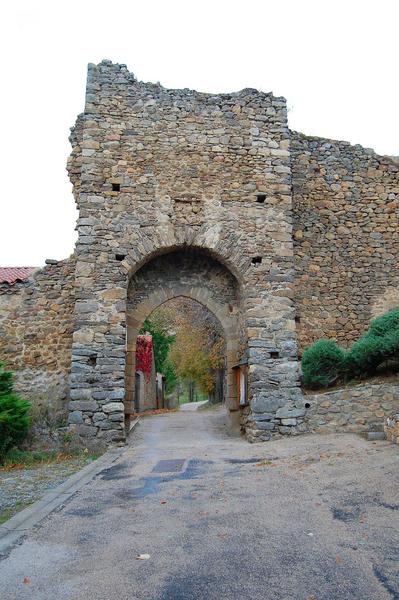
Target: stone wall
(157, 170)
(346, 237)
(291, 235)
(36, 324)
(354, 409)
(391, 427)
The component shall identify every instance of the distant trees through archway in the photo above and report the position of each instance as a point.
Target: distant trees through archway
(189, 350)
(190, 303)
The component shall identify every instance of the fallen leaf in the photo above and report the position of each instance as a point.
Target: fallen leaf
(338, 560)
(26, 580)
(264, 463)
(143, 557)
(309, 533)
(163, 501)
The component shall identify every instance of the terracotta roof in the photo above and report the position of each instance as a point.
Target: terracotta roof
(13, 274)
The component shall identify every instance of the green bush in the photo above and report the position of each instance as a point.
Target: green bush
(322, 364)
(14, 419)
(14, 422)
(5, 381)
(385, 324)
(379, 344)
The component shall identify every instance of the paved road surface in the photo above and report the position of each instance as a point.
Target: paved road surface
(309, 518)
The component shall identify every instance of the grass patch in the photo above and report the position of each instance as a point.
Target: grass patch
(9, 512)
(31, 459)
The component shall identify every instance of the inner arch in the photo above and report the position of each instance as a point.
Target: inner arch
(194, 275)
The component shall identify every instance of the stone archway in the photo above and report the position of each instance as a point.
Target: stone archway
(157, 171)
(196, 275)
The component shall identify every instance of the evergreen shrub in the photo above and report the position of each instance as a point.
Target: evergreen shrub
(322, 363)
(14, 418)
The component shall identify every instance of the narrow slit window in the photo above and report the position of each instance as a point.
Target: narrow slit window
(297, 319)
(116, 187)
(256, 260)
(260, 198)
(274, 354)
(120, 256)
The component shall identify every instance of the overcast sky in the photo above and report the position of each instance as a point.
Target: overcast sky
(335, 61)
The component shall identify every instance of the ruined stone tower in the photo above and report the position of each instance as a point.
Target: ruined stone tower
(182, 193)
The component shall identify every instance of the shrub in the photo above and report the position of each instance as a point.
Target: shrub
(14, 422)
(5, 381)
(371, 350)
(323, 363)
(385, 324)
(365, 355)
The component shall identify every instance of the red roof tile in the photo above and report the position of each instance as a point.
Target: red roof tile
(13, 274)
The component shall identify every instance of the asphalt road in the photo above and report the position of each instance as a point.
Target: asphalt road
(307, 518)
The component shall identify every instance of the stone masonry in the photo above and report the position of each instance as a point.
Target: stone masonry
(281, 236)
(354, 409)
(36, 325)
(346, 237)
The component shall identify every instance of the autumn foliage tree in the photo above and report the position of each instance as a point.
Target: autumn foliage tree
(198, 349)
(188, 343)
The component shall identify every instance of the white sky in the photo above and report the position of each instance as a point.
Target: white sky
(335, 61)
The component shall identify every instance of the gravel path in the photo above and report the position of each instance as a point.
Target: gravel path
(21, 487)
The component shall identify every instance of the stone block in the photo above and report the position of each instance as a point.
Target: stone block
(287, 412)
(113, 407)
(75, 416)
(83, 405)
(117, 394)
(99, 416)
(86, 430)
(265, 425)
(267, 404)
(117, 417)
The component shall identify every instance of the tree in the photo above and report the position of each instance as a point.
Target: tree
(188, 343)
(194, 358)
(161, 340)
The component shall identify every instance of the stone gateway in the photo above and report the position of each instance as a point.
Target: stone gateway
(283, 237)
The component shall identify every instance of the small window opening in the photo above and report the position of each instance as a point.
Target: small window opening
(116, 187)
(120, 256)
(297, 319)
(274, 354)
(256, 260)
(92, 361)
(307, 405)
(260, 198)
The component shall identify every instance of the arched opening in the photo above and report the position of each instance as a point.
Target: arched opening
(180, 357)
(194, 275)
